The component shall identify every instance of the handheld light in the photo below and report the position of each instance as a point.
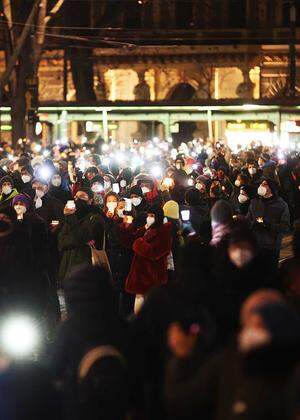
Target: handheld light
(19, 336)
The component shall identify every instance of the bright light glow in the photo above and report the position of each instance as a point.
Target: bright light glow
(105, 147)
(46, 153)
(242, 139)
(136, 162)
(156, 171)
(168, 182)
(195, 166)
(155, 140)
(190, 182)
(169, 140)
(37, 148)
(83, 139)
(45, 172)
(38, 128)
(89, 126)
(106, 161)
(19, 336)
(120, 157)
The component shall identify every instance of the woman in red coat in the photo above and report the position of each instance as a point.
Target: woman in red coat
(149, 265)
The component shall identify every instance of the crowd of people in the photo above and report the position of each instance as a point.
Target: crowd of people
(154, 275)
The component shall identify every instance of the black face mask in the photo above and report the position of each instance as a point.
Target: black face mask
(81, 204)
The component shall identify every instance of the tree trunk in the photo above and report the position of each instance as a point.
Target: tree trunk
(20, 100)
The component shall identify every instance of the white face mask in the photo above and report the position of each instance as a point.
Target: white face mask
(150, 221)
(96, 188)
(123, 183)
(242, 198)
(56, 182)
(39, 193)
(26, 178)
(111, 206)
(237, 183)
(178, 166)
(107, 185)
(136, 201)
(145, 190)
(6, 189)
(20, 210)
(253, 338)
(240, 256)
(252, 171)
(120, 213)
(262, 190)
(38, 203)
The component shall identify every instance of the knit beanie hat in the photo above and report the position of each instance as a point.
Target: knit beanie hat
(23, 198)
(136, 190)
(6, 179)
(265, 157)
(221, 212)
(171, 209)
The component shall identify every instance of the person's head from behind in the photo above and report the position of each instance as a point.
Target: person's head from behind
(221, 213)
(27, 392)
(88, 291)
(242, 245)
(192, 197)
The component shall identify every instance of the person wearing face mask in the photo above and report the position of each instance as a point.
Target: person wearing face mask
(89, 174)
(108, 182)
(24, 185)
(244, 271)
(246, 378)
(46, 206)
(36, 229)
(82, 228)
(97, 187)
(140, 206)
(150, 190)
(124, 179)
(253, 172)
(240, 181)
(199, 213)
(151, 250)
(244, 198)
(270, 219)
(7, 192)
(57, 191)
(180, 176)
(16, 261)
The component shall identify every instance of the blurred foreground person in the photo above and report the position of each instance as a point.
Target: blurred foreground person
(251, 380)
(27, 392)
(88, 358)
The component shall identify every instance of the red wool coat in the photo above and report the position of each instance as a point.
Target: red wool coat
(149, 265)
